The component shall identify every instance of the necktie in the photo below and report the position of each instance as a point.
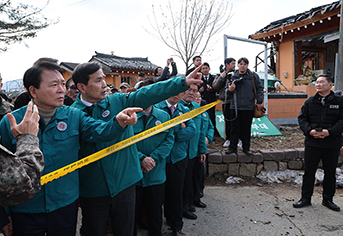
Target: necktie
(89, 110)
(144, 120)
(172, 109)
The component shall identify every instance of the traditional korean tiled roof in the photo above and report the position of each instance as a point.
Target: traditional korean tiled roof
(70, 66)
(301, 16)
(134, 63)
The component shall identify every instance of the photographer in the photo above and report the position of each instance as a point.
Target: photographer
(242, 87)
(220, 84)
(164, 74)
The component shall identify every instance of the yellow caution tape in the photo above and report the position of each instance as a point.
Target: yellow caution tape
(125, 143)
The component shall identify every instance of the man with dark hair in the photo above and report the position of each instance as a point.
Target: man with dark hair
(197, 155)
(24, 98)
(141, 77)
(177, 163)
(146, 82)
(321, 120)
(54, 209)
(107, 187)
(165, 73)
(221, 84)
(153, 153)
(243, 101)
(196, 63)
(46, 59)
(208, 93)
(72, 90)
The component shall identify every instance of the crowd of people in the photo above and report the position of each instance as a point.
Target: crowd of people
(116, 187)
(61, 122)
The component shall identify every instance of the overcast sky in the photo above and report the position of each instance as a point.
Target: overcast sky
(87, 26)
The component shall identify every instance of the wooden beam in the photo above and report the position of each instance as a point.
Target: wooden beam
(296, 25)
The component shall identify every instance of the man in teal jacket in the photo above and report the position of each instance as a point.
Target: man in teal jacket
(153, 153)
(209, 131)
(197, 155)
(107, 187)
(53, 210)
(176, 163)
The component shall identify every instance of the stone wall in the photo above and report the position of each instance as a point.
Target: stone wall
(269, 159)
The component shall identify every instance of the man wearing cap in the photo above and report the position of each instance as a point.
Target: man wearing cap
(107, 187)
(124, 87)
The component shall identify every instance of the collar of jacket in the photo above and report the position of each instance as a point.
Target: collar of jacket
(80, 104)
(153, 113)
(330, 97)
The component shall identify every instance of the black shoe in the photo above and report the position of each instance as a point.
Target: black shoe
(304, 202)
(247, 152)
(191, 208)
(201, 193)
(200, 204)
(189, 215)
(230, 151)
(178, 233)
(331, 205)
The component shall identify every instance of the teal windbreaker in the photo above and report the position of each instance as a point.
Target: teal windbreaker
(181, 136)
(157, 147)
(197, 145)
(60, 144)
(208, 127)
(120, 170)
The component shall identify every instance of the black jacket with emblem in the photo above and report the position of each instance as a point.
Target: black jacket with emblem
(329, 116)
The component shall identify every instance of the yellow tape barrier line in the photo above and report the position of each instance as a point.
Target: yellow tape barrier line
(125, 143)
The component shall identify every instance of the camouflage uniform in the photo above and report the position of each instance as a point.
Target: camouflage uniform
(20, 172)
(5, 107)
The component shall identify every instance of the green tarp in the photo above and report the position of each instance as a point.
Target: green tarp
(260, 126)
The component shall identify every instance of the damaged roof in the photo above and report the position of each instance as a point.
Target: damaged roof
(301, 16)
(134, 63)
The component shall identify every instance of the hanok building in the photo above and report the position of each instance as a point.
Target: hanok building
(305, 45)
(117, 69)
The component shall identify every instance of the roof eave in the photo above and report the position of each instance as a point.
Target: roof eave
(299, 24)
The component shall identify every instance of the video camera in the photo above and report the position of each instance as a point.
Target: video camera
(229, 76)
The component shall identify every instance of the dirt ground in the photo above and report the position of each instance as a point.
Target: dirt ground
(292, 137)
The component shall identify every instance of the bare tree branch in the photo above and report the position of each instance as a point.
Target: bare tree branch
(20, 22)
(187, 27)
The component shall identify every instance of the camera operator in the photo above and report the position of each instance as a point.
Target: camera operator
(220, 84)
(242, 88)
